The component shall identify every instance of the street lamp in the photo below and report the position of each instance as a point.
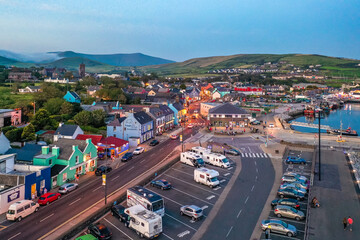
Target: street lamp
(319, 113)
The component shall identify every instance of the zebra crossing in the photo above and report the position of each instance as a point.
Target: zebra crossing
(255, 155)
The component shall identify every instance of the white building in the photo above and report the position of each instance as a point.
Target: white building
(205, 107)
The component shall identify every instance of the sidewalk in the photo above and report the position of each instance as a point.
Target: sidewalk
(338, 199)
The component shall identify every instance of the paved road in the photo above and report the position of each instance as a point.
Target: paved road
(49, 217)
(244, 203)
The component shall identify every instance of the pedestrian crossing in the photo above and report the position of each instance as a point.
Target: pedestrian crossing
(255, 155)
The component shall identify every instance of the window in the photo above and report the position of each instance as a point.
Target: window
(27, 206)
(50, 161)
(20, 210)
(228, 116)
(142, 224)
(114, 129)
(42, 183)
(77, 159)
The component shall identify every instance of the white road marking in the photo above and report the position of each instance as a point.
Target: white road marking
(46, 217)
(229, 231)
(75, 201)
(223, 180)
(190, 184)
(205, 207)
(257, 155)
(246, 199)
(115, 178)
(246, 155)
(261, 155)
(181, 222)
(255, 163)
(96, 188)
(210, 197)
(252, 154)
(252, 188)
(257, 170)
(117, 166)
(142, 160)
(230, 168)
(167, 236)
(288, 220)
(239, 213)
(14, 236)
(117, 228)
(242, 154)
(152, 155)
(191, 196)
(256, 177)
(217, 188)
(249, 149)
(130, 168)
(226, 174)
(183, 172)
(180, 235)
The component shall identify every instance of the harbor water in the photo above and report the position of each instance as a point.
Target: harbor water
(349, 115)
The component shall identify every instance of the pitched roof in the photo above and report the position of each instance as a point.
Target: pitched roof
(56, 169)
(117, 122)
(178, 106)
(66, 130)
(94, 138)
(74, 94)
(142, 117)
(117, 142)
(156, 112)
(26, 153)
(65, 146)
(166, 109)
(34, 87)
(227, 108)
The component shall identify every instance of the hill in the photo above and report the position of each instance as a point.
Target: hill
(330, 65)
(72, 63)
(6, 61)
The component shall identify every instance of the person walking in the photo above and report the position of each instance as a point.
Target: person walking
(350, 222)
(345, 223)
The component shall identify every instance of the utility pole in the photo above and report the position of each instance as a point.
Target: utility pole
(319, 117)
(104, 184)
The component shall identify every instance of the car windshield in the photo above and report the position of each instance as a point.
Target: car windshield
(214, 179)
(138, 149)
(157, 205)
(11, 212)
(61, 188)
(294, 210)
(284, 224)
(225, 160)
(198, 211)
(42, 198)
(104, 231)
(165, 182)
(200, 161)
(120, 210)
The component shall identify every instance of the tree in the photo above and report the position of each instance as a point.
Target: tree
(28, 133)
(53, 106)
(88, 81)
(98, 118)
(41, 119)
(67, 108)
(182, 86)
(83, 118)
(14, 135)
(48, 91)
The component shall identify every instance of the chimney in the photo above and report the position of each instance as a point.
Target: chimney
(61, 124)
(45, 150)
(88, 141)
(55, 151)
(74, 147)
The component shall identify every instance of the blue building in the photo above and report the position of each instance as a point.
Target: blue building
(179, 112)
(72, 97)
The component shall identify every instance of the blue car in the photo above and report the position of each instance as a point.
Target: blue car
(127, 156)
(292, 160)
(161, 183)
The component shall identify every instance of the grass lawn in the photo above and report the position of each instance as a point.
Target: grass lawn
(10, 100)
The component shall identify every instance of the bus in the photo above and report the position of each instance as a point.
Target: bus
(146, 198)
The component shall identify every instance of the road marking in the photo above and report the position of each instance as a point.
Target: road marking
(252, 154)
(130, 169)
(246, 155)
(181, 222)
(190, 184)
(229, 231)
(14, 236)
(255, 163)
(261, 155)
(96, 188)
(217, 188)
(246, 199)
(239, 213)
(180, 235)
(257, 170)
(167, 236)
(288, 220)
(256, 177)
(252, 188)
(152, 155)
(242, 154)
(205, 207)
(210, 197)
(142, 160)
(257, 155)
(183, 172)
(118, 165)
(223, 180)
(230, 168)
(46, 217)
(249, 149)
(114, 178)
(191, 196)
(75, 201)
(117, 228)
(226, 174)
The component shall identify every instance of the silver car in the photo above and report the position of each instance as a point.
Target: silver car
(192, 211)
(68, 187)
(288, 212)
(278, 226)
(293, 186)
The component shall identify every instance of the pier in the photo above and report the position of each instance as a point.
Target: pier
(310, 125)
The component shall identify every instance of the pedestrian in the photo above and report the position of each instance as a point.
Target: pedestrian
(45, 190)
(345, 223)
(350, 222)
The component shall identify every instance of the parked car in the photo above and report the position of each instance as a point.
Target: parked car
(67, 187)
(256, 122)
(293, 159)
(192, 211)
(127, 156)
(161, 183)
(294, 177)
(286, 201)
(100, 231)
(232, 152)
(118, 211)
(102, 169)
(138, 150)
(174, 136)
(278, 226)
(291, 193)
(47, 198)
(288, 212)
(293, 186)
(86, 237)
(301, 185)
(20, 209)
(154, 142)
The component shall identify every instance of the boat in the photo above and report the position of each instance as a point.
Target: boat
(325, 106)
(309, 110)
(347, 132)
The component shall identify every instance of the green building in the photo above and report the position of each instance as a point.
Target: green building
(67, 158)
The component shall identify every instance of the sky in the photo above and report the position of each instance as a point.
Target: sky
(180, 30)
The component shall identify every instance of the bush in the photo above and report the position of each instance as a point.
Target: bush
(8, 128)
(89, 129)
(14, 135)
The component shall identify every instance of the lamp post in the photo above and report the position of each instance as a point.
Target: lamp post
(319, 117)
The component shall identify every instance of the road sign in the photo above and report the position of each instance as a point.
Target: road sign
(104, 179)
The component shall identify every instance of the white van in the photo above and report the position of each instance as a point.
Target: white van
(17, 211)
(206, 176)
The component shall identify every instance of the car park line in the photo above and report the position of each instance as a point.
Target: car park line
(167, 236)
(193, 196)
(204, 207)
(210, 197)
(252, 189)
(229, 231)
(288, 220)
(222, 180)
(47, 217)
(239, 213)
(217, 188)
(283, 236)
(247, 198)
(117, 228)
(180, 235)
(181, 222)
(183, 172)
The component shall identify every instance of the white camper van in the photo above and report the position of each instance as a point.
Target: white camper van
(216, 159)
(17, 211)
(200, 151)
(192, 159)
(146, 223)
(206, 176)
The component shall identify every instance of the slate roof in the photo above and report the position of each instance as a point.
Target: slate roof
(178, 106)
(94, 138)
(34, 87)
(142, 117)
(56, 169)
(65, 146)
(66, 130)
(227, 108)
(157, 112)
(166, 110)
(74, 94)
(26, 153)
(117, 122)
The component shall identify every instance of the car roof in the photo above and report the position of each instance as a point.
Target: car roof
(66, 184)
(274, 221)
(283, 207)
(46, 194)
(194, 207)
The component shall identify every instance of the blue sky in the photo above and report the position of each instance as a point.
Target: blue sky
(179, 30)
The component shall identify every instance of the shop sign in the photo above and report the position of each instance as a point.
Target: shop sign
(13, 196)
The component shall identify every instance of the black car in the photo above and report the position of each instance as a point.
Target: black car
(102, 169)
(100, 231)
(162, 184)
(127, 156)
(286, 201)
(118, 212)
(232, 152)
(291, 193)
(154, 143)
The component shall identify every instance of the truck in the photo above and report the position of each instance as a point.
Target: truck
(144, 222)
(141, 196)
(192, 159)
(209, 157)
(206, 176)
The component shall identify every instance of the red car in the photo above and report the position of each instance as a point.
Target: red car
(47, 198)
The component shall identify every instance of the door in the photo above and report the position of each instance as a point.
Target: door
(33, 189)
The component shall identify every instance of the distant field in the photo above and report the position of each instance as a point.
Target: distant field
(10, 100)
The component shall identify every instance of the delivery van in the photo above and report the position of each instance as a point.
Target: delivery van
(17, 211)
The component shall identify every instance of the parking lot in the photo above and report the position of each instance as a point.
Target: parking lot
(304, 170)
(185, 191)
